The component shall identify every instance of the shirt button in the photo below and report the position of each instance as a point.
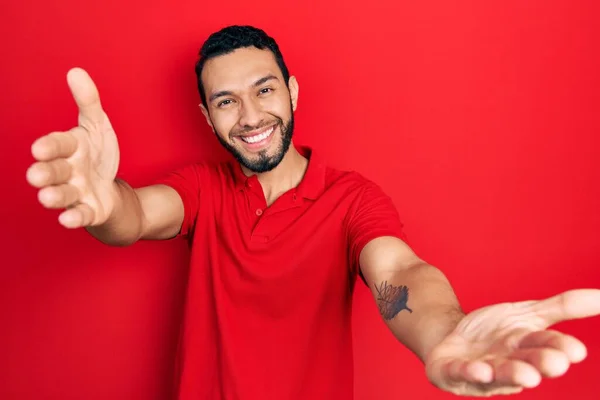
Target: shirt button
(294, 197)
(259, 212)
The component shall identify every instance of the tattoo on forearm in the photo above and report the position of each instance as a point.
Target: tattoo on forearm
(391, 300)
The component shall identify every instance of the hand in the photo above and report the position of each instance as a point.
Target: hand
(504, 348)
(76, 169)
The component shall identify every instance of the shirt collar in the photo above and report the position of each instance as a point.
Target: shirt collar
(312, 184)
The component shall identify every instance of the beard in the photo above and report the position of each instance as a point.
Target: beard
(264, 162)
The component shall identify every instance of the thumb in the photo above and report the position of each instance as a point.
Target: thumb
(86, 95)
(572, 304)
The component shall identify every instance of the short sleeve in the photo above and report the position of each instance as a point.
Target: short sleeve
(373, 215)
(186, 182)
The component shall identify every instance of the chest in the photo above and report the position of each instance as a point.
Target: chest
(292, 241)
(292, 255)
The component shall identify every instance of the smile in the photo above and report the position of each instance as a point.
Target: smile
(258, 137)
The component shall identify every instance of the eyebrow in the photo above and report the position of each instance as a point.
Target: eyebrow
(265, 79)
(255, 84)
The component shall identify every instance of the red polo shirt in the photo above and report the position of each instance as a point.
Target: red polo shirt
(268, 307)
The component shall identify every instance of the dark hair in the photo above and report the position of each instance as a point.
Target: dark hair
(232, 38)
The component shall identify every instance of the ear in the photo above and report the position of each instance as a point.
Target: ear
(207, 116)
(293, 86)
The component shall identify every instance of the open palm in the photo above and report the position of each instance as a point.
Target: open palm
(504, 348)
(76, 169)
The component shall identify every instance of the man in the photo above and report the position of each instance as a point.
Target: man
(278, 240)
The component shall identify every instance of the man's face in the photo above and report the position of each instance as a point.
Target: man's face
(250, 107)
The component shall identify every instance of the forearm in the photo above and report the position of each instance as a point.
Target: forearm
(431, 309)
(124, 225)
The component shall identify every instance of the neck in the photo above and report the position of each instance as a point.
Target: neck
(287, 175)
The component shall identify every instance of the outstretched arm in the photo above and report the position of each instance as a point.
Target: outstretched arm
(414, 298)
(498, 349)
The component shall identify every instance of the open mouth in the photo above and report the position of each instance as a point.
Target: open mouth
(259, 137)
(258, 140)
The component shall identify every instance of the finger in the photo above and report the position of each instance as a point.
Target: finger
(549, 362)
(572, 304)
(468, 371)
(53, 172)
(572, 347)
(60, 196)
(487, 390)
(54, 145)
(479, 377)
(514, 373)
(86, 95)
(76, 217)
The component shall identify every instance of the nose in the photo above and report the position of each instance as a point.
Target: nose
(250, 113)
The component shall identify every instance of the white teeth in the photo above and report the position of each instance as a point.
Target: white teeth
(258, 138)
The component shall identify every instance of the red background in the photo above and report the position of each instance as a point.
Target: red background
(479, 118)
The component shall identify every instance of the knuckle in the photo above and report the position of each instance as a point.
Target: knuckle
(57, 197)
(61, 169)
(88, 214)
(51, 171)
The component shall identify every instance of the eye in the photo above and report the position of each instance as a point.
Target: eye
(224, 103)
(265, 90)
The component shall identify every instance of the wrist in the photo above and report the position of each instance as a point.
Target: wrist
(442, 324)
(112, 200)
